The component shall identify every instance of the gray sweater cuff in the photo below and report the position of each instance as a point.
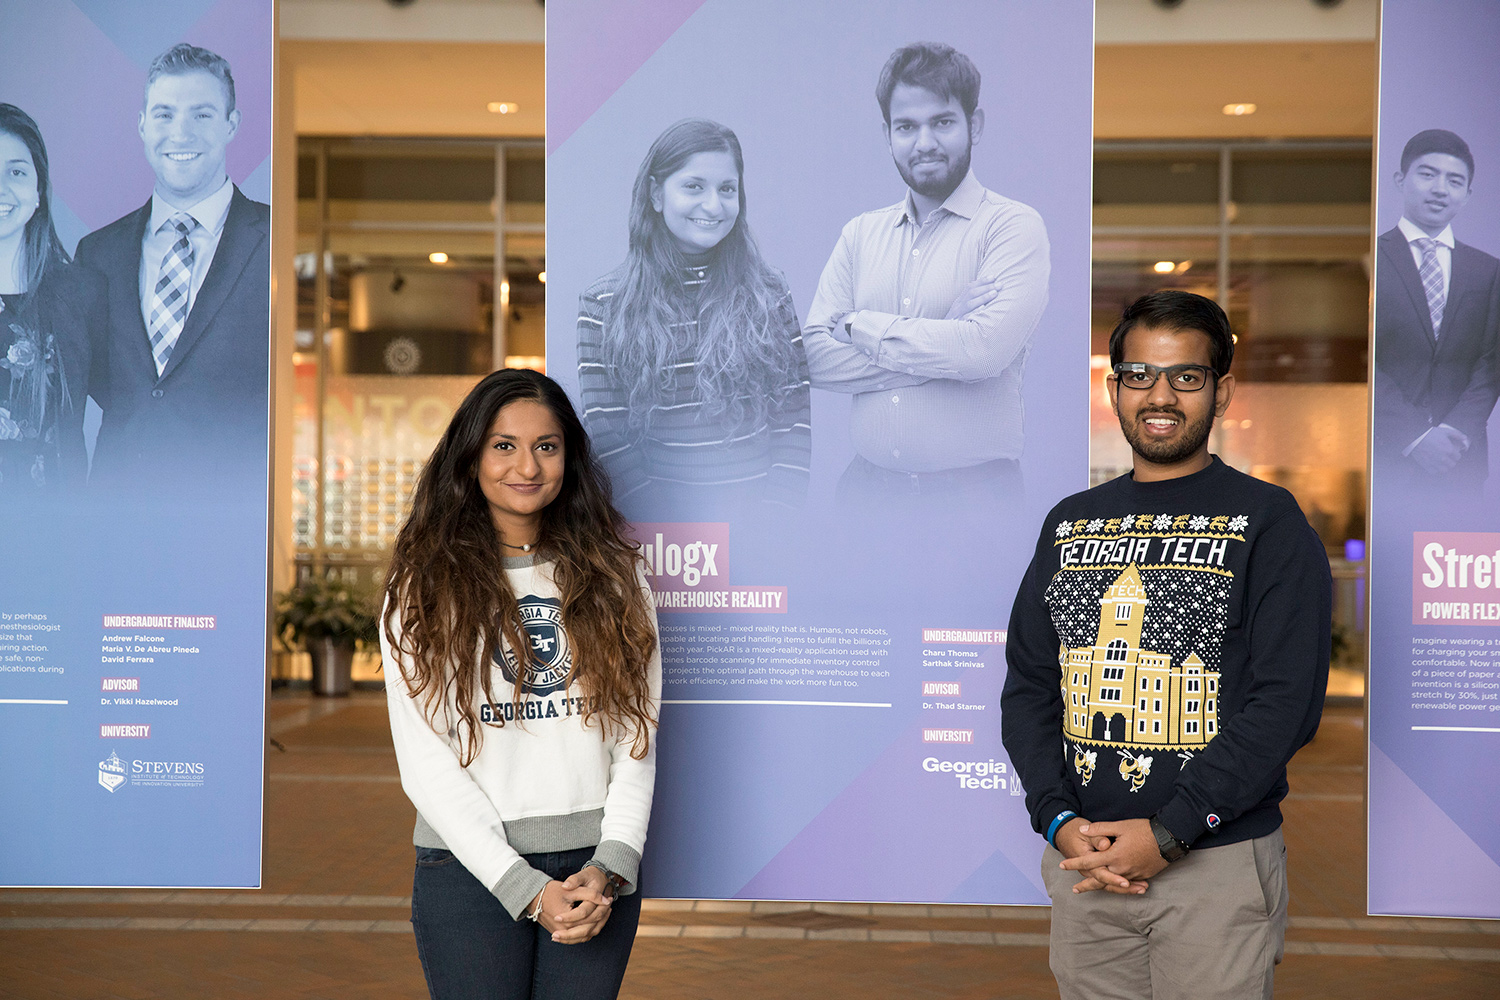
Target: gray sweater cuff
(620, 859)
(518, 887)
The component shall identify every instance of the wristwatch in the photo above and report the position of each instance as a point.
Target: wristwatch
(615, 879)
(1170, 847)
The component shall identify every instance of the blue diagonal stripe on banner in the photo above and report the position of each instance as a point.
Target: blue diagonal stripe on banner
(142, 38)
(70, 228)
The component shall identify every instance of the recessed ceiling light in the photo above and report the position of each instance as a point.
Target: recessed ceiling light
(503, 107)
(438, 257)
(1239, 109)
(1164, 267)
(542, 277)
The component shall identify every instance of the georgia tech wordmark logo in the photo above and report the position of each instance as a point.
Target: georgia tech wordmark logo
(112, 772)
(551, 656)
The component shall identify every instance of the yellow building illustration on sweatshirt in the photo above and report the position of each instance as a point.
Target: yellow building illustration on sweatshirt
(1116, 692)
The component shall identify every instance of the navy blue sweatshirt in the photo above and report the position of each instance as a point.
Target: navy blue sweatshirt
(1168, 654)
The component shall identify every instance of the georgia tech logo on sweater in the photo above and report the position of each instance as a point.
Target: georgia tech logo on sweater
(551, 656)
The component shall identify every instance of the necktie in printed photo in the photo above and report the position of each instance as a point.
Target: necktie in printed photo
(169, 300)
(1432, 281)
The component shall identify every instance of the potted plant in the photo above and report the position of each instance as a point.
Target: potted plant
(327, 617)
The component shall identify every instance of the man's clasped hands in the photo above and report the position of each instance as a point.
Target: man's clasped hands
(1117, 857)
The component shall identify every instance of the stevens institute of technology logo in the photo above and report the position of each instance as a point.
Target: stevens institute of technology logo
(112, 772)
(551, 657)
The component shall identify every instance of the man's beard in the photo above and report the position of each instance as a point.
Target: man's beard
(1193, 436)
(941, 186)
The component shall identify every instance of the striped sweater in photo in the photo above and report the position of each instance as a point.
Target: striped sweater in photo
(677, 445)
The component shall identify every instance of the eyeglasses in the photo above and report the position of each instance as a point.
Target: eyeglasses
(1184, 378)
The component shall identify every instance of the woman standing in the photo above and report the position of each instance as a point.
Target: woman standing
(523, 702)
(690, 358)
(48, 308)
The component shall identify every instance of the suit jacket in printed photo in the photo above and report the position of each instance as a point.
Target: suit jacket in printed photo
(205, 417)
(1422, 380)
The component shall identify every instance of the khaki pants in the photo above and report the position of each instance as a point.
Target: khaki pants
(1210, 928)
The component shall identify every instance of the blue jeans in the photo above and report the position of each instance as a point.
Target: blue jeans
(472, 949)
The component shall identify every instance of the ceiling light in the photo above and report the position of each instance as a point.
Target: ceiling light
(1164, 267)
(542, 277)
(1183, 266)
(1239, 109)
(510, 107)
(438, 257)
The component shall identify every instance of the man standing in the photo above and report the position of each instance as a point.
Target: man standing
(1437, 316)
(1168, 654)
(925, 311)
(182, 372)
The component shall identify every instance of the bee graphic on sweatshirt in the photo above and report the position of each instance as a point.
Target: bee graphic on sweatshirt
(1084, 761)
(1134, 769)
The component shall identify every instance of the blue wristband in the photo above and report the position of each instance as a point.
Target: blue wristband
(1062, 818)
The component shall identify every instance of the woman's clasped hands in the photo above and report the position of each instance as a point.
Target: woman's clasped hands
(575, 910)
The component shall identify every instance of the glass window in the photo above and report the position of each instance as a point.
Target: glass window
(414, 280)
(1300, 187)
(1279, 234)
(1156, 186)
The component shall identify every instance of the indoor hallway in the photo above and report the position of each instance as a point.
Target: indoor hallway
(332, 922)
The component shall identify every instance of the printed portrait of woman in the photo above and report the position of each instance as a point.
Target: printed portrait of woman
(690, 361)
(48, 308)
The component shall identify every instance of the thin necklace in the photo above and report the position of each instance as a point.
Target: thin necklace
(524, 548)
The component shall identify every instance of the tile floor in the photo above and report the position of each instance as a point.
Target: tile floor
(331, 921)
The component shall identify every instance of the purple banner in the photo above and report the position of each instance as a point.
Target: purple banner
(134, 440)
(830, 338)
(1434, 688)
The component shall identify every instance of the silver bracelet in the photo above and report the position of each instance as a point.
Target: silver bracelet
(535, 913)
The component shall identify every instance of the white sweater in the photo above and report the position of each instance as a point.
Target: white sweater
(543, 783)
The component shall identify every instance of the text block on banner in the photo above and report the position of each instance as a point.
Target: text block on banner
(1456, 578)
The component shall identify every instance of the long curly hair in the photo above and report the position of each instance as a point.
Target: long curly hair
(40, 246)
(447, 589)
(743, 360)
(34, 392)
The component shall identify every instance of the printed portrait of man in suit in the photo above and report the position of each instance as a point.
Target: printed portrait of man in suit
(181, 374)
(1437, 328)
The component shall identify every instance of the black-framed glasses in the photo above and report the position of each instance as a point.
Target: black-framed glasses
(1183, 378)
